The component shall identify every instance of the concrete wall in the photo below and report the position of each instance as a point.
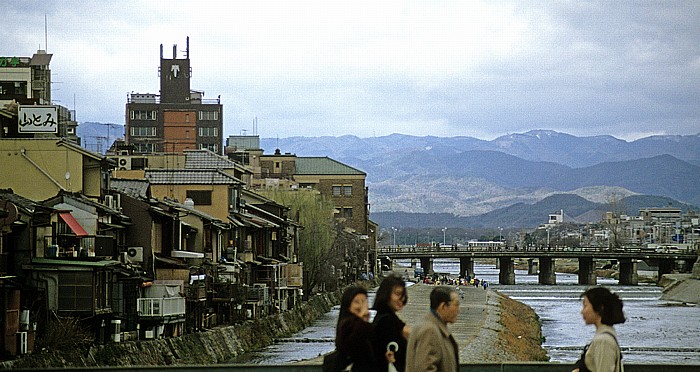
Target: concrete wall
(211, 347)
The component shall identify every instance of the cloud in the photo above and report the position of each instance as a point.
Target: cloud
(368, 68)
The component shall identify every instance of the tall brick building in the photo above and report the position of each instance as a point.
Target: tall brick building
(179, 118)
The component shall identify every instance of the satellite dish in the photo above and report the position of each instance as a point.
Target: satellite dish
(11, 210)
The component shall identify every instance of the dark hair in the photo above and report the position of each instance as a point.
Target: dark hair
(383, 296)
(439, 295)
(345, 301)
(607, 304)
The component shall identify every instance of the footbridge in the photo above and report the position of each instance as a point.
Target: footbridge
(541, 260)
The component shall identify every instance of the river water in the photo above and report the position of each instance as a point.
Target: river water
(656, 331)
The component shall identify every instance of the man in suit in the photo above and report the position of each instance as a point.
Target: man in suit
(431, 347)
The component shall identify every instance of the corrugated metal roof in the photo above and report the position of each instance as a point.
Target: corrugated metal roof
(189, 176)
(323, 165)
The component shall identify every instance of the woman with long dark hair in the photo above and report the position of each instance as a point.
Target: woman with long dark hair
(390, 332)
(603, 309)
(354, 332)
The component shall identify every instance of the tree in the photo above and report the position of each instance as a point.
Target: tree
(616, 208)
(317, 235)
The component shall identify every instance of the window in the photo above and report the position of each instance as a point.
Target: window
(200, 197)
(347, 212)
(75, 291)
(143, 131)
(339, 190)
(143, 114)
(145, 147)
(208, 115)
(209, 146)
(208, 132)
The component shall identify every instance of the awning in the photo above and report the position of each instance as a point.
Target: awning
(73, 224)
(186, 254)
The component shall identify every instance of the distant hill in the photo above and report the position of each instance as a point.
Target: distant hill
(99, 137)
(466, 176)
(513, 179)
(522, 215)
(535, 145)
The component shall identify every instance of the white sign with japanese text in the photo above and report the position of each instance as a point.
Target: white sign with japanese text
(38, 119)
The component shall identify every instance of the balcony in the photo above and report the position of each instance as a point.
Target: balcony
(160, 307)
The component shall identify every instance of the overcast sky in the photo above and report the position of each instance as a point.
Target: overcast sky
(372, 68)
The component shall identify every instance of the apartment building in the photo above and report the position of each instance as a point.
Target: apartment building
(26, 108)
(178, 118)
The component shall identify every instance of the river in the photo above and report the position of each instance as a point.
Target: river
(655, 331)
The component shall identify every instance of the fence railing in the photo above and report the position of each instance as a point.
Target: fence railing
(160, 307)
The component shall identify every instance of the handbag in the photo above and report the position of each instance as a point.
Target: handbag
(333, 362)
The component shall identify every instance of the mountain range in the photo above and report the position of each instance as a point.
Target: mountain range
(511, 180)
(517, 179)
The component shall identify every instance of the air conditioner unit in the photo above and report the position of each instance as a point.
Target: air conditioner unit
(124, 163)
(135, 254)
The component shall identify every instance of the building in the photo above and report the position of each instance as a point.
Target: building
(26, 110)
(179, 118)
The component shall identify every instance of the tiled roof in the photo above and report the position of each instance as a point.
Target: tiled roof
(323, 165)
(135, 188)
(18, 200)
(189, 176)
(206, 159)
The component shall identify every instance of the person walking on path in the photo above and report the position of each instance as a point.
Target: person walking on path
(431, 347)
(603, 309)
(389, 330)
(354, 332)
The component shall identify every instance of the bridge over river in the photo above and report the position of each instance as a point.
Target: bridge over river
(541, 260)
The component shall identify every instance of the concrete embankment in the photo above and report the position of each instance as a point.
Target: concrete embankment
(210, 347)
(681, 288)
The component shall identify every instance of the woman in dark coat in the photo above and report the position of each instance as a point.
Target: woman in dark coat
(354, 332)
(391, 297)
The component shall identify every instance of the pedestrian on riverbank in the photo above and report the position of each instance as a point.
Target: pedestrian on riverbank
(354, 332)
(431, 346)
(603, 309)
(390, 298)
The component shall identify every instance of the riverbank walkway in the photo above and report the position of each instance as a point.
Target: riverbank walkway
(473, 315)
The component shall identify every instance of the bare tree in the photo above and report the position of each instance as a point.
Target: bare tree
(612, 221)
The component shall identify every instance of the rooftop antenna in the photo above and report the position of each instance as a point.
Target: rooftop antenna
(46, 34)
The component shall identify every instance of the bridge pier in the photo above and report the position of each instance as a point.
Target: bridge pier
(586, 271)
(427, 264)
(628, 272)
(547, 272)
(466, 266)
(665, 267)
(532, 266)
(506, 275)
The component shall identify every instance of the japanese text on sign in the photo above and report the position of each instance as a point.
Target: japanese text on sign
(38, 119)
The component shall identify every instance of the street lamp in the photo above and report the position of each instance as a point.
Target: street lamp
(500, 234)
(393, 228)
(444, 229)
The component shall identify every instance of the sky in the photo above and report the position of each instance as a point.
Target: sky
(482, 69)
